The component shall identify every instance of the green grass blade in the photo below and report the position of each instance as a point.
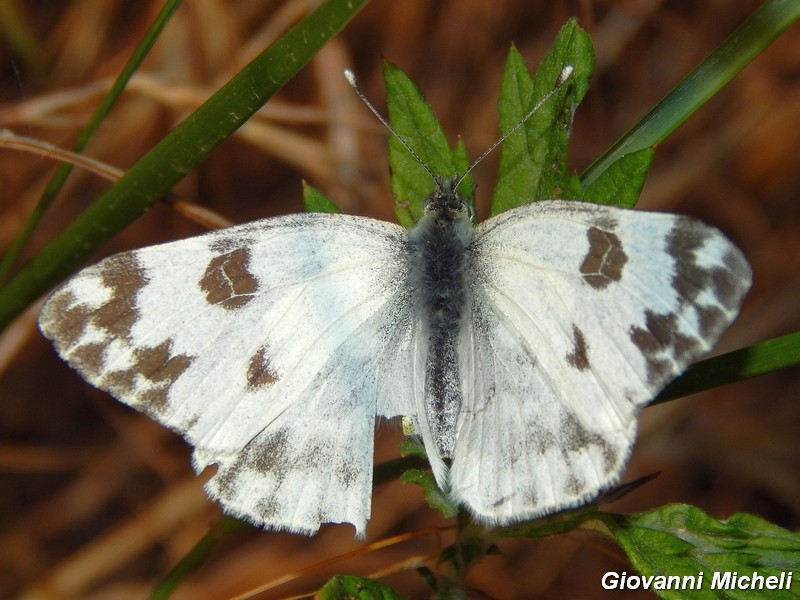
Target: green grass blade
(621, 184)
(179, 152)
(192, 560)
(718, 69)
(17, 34)
(759, 359)
(61, 174)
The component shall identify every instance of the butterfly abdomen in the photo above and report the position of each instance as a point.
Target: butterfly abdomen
(440, 242)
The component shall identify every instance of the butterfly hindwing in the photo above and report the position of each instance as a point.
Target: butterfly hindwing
(580, 314)
(271, 346)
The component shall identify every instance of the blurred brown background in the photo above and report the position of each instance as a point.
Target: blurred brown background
(97, 501)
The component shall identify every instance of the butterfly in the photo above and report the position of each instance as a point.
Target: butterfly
(520, 348)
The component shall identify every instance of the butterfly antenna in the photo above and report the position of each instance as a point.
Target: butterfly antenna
(566, 72)
(351, 79)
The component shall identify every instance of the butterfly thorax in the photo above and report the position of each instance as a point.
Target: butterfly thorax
(440, 241)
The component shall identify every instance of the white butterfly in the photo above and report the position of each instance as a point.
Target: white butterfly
(521, 348)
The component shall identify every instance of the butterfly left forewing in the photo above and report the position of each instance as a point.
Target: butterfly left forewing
(580, 314)
(271, 346)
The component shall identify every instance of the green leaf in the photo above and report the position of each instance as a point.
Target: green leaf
(429, 577)
(412, 446)
(468, 551)
(413, 120)
(621, 184)
(393, 469)
(562, 522)
(316, 201)
(733, 55)
(533, 162)
(433, 495)
(179, 152)
(462, 163)
(679, 539)
(352, 587)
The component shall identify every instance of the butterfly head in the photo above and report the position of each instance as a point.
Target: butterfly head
(446, 203)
